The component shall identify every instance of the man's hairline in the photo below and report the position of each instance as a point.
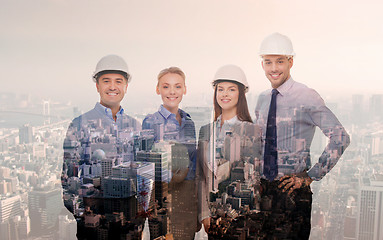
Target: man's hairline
(127, 81)
(287, 56)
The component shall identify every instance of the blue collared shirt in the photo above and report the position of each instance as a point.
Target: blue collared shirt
(98, 124)
(94, 137)
(167, 128)
(108, 111)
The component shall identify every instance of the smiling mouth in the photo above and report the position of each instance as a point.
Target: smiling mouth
(172, 98)
(225, 100)
(275, 76)
(112, 94)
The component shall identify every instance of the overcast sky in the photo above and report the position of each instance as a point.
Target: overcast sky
(50, 47)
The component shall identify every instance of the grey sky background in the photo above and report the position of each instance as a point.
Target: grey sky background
(50, 47)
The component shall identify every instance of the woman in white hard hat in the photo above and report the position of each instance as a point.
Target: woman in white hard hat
(229, 150)
(230, 86)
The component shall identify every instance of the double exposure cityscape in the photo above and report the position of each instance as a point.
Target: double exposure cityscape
(101, 191)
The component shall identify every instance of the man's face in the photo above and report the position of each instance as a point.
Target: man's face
(112, 88)
(277, 69)
(171, 87)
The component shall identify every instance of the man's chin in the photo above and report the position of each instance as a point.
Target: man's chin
(110, 104)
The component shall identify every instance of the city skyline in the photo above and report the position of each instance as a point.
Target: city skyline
(360, 161)
(49, 50)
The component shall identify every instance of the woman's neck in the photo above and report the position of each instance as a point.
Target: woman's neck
(228, 114)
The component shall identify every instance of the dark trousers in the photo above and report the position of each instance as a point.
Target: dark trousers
(285, 216)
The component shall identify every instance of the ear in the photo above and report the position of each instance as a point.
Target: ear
(185, 90)
(157, 90)
(262, 65)
(291, 61)
(97, 87)
(126, 87)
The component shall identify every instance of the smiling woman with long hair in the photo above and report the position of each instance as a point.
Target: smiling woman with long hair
(229, 150)
(242, 110)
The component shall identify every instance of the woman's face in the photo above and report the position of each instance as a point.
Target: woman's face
(171, 87)
(227, 95)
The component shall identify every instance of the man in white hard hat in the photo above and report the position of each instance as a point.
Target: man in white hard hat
(98, 145)
(289, 114)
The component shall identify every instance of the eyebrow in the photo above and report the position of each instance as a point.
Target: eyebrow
(165, 83)
(269, 60)
(107, 78)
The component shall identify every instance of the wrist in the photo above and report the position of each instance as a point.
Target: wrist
(308, 181)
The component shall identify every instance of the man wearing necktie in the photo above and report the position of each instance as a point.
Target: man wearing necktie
(289, 114)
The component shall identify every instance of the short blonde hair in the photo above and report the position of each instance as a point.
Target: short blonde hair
(175, 70)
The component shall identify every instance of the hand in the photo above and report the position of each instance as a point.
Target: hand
(179, 175)
(206, 224)
(295, 181)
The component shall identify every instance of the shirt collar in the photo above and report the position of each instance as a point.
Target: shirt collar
(108, 111)
(166, 113)
(231, 121)
(284, 88)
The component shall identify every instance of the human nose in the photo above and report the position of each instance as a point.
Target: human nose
(273, 67)
(112, 85)
(172, 90)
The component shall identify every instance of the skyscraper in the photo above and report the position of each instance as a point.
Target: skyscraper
(376, 103)
(161, 161)
(357, 108)
(44, 207)
(10, 207)
(25, 134)
(370, 219)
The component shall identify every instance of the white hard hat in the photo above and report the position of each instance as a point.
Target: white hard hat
(112, 63)
(276, 44)
(231, 73)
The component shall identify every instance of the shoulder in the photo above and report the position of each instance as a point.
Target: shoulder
(83, 118)
(307, 95)
(247, 127)
(249, 124)
(132, 121)
(78, 124)
(262, 102)
(151, 119)
(264, 94)
(206, 127)
(204, 132)
(262, 97)
(186, 116)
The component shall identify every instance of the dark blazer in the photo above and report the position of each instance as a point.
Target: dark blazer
(241, 144)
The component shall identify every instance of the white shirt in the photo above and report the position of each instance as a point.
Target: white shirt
(299, 110)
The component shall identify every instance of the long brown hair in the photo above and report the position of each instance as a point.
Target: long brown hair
(242, 109)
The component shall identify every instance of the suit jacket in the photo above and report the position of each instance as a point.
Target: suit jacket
(220, 152)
